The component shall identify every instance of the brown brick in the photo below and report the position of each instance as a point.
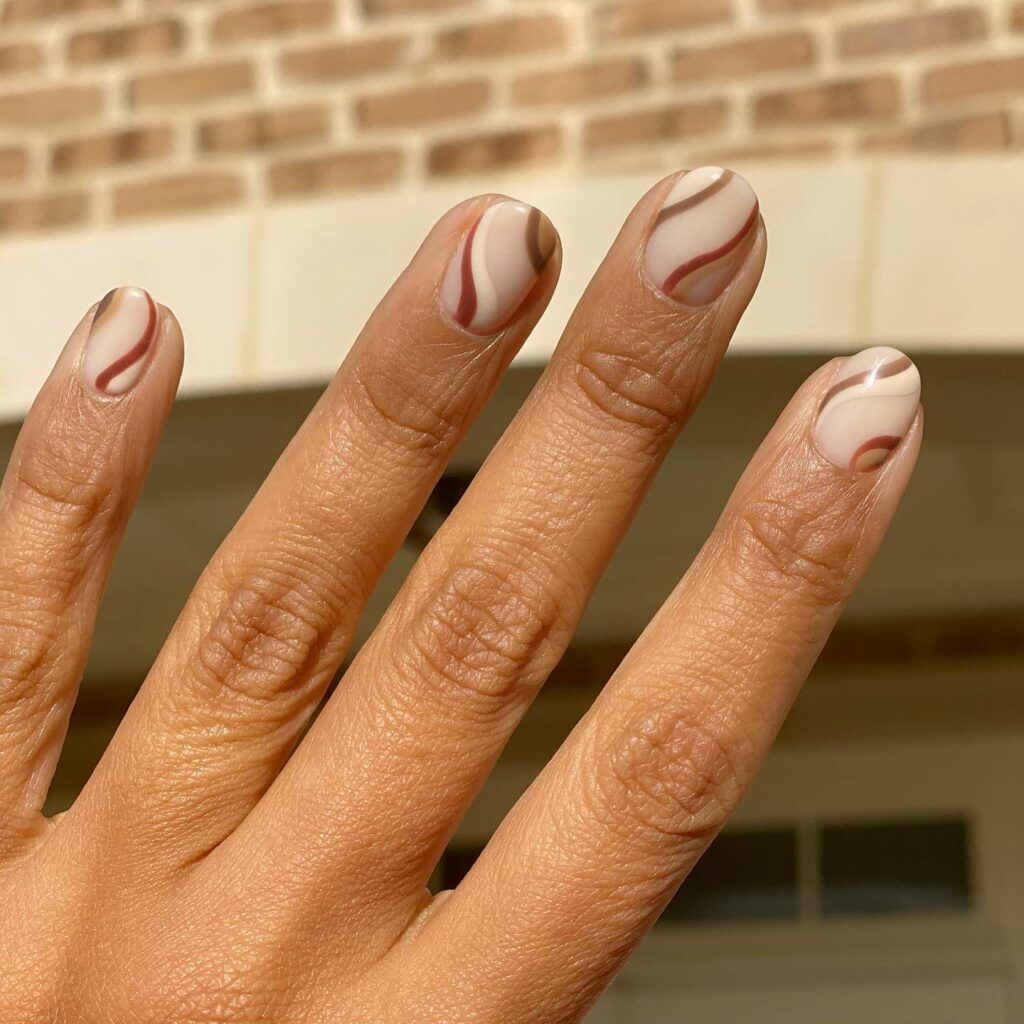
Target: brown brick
(656, 124)
(915, 32)
(264, 129)
(504, 37)
(490, 152)
(19, 57)
(978, 132)
(182, 86)
(345, 60)
(798, 6)
(270, 20)
(744, 57)
(762, 152)
(978, 78)
(124, 41)
(111, 149)
(575, 84)
(383, 8)
(1017, 19)
(642, 17)
(38, 10)
(181, 193)
(846, 100)
(42, 212)
(52, 105)
(336, 172)
(13, 163)
(423, 103)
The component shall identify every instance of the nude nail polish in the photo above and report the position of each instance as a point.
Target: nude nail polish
(868, 409)
(701, 235)
(120, 340)
(496, 266)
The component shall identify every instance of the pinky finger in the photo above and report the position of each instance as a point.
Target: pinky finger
(73, 479)
(593, 851)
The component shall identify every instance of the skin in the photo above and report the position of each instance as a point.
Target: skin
(203, 875)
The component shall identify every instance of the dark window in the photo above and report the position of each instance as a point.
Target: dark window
(894, 868)
(455, 864)
(744, 876)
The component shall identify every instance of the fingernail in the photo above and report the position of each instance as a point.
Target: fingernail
(868, 409)
(699, 237)
(120, 339)
(496, 266)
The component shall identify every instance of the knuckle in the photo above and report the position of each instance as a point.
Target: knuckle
(667, 775)
(481, 633)
(781, 542)
(643, 393)
(265, 639)
(402, 414)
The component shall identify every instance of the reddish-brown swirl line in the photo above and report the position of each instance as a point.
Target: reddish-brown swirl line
(691, 201)
(889, 369)
(135, 353)
(715, 254)
(538, 259)
(886, 442)
(467, 299)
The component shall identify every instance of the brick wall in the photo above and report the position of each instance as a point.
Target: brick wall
(114, 110)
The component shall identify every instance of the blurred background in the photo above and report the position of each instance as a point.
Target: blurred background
(267, 168)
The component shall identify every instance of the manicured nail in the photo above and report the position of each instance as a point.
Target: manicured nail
(868, 409)
(700, 235)
(120, 339)
(496, 266)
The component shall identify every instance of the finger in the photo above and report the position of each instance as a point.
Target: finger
(588, 858)
(431, 699)
(72, 482)
(273, 614)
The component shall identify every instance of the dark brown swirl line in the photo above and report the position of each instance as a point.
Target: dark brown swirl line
(884, 443)
(890, 369)
(467, 298)
(537, 249)
(691, 201)
(135, 353)
(704, 259)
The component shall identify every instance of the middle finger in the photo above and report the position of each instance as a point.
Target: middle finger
(378, 785)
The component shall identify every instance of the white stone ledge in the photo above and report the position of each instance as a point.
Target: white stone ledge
(922, 253)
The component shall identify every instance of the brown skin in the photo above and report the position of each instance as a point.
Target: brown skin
(198, 879)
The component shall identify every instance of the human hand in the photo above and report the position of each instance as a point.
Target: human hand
(208, 873)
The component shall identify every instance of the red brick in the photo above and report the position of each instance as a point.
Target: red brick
(179, 193)
(978, 78)
(947, 27)
(626, 18)
(584, 82)
(271, 20)
(744, 58)
(267, 129)
(423, 104)
(336, 61)
(504, 37)
(110, 149)
(121, 42)
(336, 172)
(846, 100)
(43, 212)
(490, 152)
(652, 125)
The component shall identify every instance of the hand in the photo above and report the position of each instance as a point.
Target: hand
(211, 871)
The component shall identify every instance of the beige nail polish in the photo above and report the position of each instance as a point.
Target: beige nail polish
(120, 340)
(701, 235)
(868, 409)
(496, 266)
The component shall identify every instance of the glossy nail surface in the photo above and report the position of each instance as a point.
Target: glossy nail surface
(120, 340)
(868, 409)
(496, 266)
(701, 234)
